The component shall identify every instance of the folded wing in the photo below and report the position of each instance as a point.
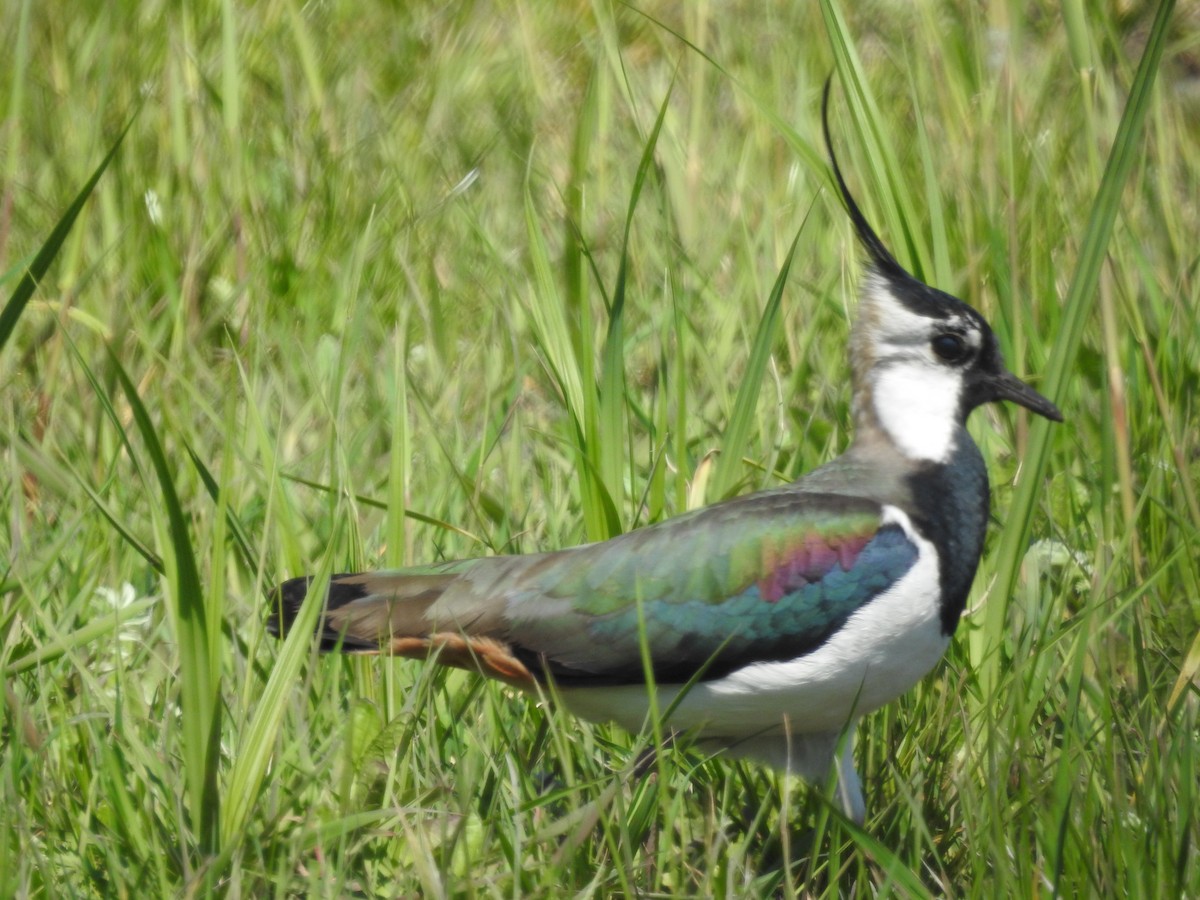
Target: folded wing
(766, 577)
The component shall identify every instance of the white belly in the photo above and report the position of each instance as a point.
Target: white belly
(884, 648)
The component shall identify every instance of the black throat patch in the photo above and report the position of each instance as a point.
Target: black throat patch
(951, 503)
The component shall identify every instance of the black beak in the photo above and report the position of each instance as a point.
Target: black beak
(1007, 386)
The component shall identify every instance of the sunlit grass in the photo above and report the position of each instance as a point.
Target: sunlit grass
(400, 284)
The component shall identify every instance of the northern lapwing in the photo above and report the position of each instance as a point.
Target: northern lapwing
(784, 616)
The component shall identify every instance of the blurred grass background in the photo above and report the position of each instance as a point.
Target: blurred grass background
(378, 283)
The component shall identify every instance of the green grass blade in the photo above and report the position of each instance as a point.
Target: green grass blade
(49, 250)
(608, 445)
(261, 734)
(399, 458)
(153, 559)
(240, 536)
(199, 671)
(1080, 299)
(553, 335)
(78, 637)
(111, 415)
(728, 472)
(898, 207)
(375, 502)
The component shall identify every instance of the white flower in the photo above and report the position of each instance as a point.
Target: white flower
(153, 207)
(120, 599)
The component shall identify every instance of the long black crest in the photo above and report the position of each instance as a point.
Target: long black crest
(880, 255)
(916, 296)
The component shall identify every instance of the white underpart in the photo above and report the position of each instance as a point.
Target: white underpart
(790, 714)
(917, 404)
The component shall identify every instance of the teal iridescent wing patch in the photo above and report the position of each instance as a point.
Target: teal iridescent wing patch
(766, 580)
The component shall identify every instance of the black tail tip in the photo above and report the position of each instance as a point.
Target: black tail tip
(285, 604)
(287, 599)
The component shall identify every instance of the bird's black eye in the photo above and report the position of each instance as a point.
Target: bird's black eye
(950, 347)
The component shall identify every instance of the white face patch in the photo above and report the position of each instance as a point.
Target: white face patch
(917, 403)
(915, 397)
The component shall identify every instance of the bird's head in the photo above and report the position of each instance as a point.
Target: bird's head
(922, 358)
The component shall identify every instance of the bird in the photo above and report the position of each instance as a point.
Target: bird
(769, 624)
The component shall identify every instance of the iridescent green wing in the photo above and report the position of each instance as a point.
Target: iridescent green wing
(767, 577)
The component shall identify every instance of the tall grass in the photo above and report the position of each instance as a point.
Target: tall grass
(366, 286)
